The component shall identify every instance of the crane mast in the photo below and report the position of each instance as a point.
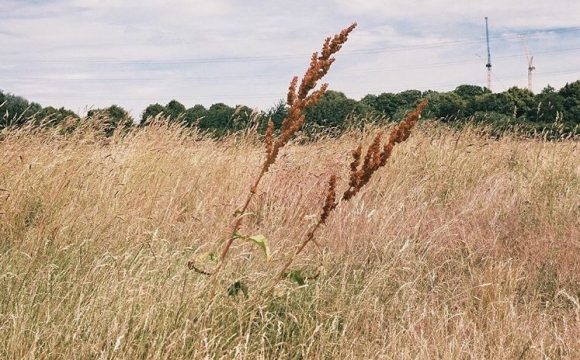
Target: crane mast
(531, 67)
(488, 65)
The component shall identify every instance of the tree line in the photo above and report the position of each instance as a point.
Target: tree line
(555, 110)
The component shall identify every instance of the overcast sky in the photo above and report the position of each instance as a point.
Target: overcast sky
(93, 53)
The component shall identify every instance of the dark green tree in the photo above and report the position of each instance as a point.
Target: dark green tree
(16, 110)
(447, 106)
(51, 116)
(194, 115)
(409, 98)
(369, 100)
(332, 111)
(470, 91)
(242, 117)
(276, 113)
(523, 101)
(470, 94)
(151, 112)
(218, 117)
(548, 106)
(111, 118)
(499, 103)
(571, 95)
(386, 104)
(174, 110)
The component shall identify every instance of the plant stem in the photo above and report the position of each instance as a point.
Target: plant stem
(309, 238)
(238, 222)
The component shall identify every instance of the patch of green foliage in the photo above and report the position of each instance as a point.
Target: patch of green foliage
(551, 112)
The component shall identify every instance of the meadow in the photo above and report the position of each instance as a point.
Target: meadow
(166, 242)
(462, 246)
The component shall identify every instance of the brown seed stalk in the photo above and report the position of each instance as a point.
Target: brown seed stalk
(359, 175)
(330, 202)
(299, 97)
(375, 158)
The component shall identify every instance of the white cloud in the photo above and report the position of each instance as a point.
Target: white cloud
(81, 53)
(531, 14)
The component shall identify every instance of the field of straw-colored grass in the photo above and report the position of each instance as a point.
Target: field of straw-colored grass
(462, 246)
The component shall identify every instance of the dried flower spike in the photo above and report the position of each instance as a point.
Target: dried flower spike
(330, 202)
(375, 158)
(302, 96)
(299, 97)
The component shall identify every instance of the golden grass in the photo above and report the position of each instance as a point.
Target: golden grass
(459, 247)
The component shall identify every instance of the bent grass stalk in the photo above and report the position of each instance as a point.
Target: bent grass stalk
(298, 99)
(359, 176)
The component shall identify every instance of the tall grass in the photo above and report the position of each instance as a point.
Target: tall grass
(460, 247)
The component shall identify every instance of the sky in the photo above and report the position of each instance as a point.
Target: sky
(85, 54)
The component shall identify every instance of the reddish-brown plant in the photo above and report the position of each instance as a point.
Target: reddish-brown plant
(375, 158)
(299, 98)
(360, 174)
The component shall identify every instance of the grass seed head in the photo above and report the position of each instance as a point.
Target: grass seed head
(297, 100)
(300, 97)
(330, 202)
(354, 175)
(375, 158)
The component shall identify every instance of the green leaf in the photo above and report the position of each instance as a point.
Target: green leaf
(259, 240)
(297, 277)
(203, 263)
(236, 287)
(262, 242)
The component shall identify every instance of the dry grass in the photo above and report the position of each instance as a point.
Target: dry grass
(460, 247)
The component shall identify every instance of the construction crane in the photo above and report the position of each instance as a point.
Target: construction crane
(488, 65)
(531, 67)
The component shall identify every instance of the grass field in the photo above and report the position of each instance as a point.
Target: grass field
(462, 246)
